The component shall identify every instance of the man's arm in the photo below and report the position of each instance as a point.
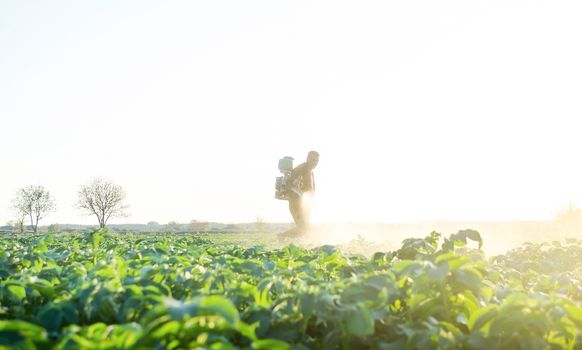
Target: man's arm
(308, 182)
(295, 173)
(293, 180)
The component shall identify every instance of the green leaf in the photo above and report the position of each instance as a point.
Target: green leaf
(468, 278)
(360, 321)
(262, 317)
(97, 237)
(439, 273)
(222, 346)
(478, 342)
(247, 330)
(204, 305)
(473, 235)
(51, 317)
(404, 266)
(285, 331)
(70, 313)
(417, 300)
(270, 344)
(575, 314)
(166, 329)
(146, 272)
(482, 316)
(44, 287)
(16, 292)
(307, 303)
(220, 306)
(23, 329)
(381, 281)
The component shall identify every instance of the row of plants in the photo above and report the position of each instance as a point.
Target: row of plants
(106, 291)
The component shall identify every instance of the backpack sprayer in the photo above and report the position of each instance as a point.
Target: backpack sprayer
(282, 185)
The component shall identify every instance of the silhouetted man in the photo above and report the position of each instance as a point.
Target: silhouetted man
(302, 188)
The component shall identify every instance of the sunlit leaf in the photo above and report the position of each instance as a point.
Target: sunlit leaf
(16, 292)
(482, 316)
(270, 344)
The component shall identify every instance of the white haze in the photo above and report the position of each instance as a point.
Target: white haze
(421, 111)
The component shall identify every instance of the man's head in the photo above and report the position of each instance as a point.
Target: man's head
(312, 159)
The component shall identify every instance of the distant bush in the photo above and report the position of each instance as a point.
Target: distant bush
(569, 214)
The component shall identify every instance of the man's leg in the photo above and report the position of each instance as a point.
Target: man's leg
(299, 216)
(296, 210)
(306, 216)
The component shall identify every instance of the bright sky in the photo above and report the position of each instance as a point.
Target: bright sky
(421, 110)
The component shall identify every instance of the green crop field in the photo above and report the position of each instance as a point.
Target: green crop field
(112, 291)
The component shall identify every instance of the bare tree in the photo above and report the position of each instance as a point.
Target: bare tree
(12, 224)
(173, 226)
(19, 224)
(16, 225)
(103, 199)
(34, 202)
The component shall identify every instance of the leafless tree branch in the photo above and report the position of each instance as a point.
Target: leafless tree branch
(34, 202)
(103, 199)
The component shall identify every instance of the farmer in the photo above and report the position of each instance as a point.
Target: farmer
(302, 186)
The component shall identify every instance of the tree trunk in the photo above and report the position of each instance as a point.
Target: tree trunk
(35, 228)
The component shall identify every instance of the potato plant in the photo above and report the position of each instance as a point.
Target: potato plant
(108, 291)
